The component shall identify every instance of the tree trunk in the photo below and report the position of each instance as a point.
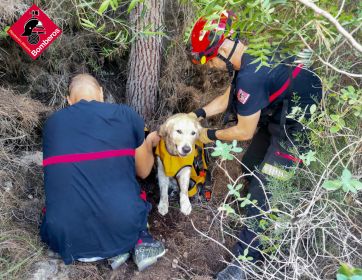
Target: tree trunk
(145, 59)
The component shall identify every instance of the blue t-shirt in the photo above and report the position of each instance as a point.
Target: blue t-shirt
(253, 88)
(93, 207)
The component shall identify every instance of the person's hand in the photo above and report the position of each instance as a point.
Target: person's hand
(203, 136)
(153, 139)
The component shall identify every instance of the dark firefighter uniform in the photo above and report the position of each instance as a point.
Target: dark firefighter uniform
(93, 204)
(274, 91)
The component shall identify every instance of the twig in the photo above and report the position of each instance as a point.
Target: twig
(335, 22)
(329, 64)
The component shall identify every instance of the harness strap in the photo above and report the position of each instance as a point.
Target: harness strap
(230, 101)
(229, 65)
(286, 84)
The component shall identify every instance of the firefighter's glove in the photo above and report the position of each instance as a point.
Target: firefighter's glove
(198, 114)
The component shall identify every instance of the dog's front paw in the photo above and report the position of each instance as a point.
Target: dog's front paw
(163, 208)
(185, 206)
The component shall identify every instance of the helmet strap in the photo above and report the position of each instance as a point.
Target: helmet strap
(229, 65)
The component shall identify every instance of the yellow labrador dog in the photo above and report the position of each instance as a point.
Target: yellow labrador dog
(175, 155)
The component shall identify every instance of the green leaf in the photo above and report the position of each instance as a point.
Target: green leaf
(100, 29)
(308, 157)
(332, 185)
(342, 277)
(312, 109)
(334, 129)
(357, 185)
(344, 270)
(351, 89)
(234, 143)
(346, 175)
(246, 201)
(335, 118)
(87, 23)
(263, 224)
(103, 7)
(223, 150)
(133, 4)
(237, 150)
(114, 4)
(228, 209)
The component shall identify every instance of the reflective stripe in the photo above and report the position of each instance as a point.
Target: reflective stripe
(285, 86)
(275, 172)
(88, 156)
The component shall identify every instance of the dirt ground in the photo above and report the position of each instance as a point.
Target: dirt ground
(189, 255)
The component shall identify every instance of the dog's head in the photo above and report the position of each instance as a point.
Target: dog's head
(180, 133)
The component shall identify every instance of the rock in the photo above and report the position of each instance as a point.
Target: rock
(174, 263)
(50, 270)
(8, 186)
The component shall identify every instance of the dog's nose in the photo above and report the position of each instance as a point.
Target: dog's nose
(186, 149)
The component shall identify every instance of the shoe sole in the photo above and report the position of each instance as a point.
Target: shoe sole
(117, 263)
(148, 262)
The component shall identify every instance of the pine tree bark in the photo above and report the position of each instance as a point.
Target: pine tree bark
(145, 59)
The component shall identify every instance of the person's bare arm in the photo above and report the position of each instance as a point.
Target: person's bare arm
(244, 130)
(144, 157)
(218, 105)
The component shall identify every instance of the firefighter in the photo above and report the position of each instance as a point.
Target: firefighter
(92, 154)
(261, 100)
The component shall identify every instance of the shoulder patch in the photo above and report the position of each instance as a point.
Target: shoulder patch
(243, 96)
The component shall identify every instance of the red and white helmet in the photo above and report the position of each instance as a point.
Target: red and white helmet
(206, 43)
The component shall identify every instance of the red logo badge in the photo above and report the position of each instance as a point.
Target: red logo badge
(34, 31)
(243, 96)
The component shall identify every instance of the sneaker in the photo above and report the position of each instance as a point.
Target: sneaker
(117, 261)
(232, 272)
(147, 251)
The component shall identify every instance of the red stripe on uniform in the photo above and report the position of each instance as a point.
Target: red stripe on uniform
(289, 157)
(284, 87)
(88, 156)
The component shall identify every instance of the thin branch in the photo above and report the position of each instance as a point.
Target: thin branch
(335, 22)
(329, 64)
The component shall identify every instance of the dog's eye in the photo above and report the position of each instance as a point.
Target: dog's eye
(193, 133)
(179, 131)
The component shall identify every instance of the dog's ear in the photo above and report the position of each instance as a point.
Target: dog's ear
(162, 132)
(198, 126)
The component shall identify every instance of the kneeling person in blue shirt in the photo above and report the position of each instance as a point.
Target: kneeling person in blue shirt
(92, 154)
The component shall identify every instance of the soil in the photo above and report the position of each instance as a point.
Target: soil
(189, 255)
